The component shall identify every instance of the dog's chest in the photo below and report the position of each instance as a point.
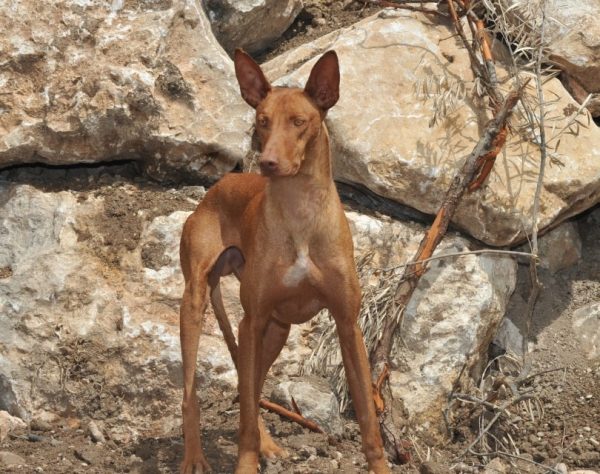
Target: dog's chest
(298, 271)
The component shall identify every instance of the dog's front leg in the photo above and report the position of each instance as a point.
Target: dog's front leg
(251, 332)
(345, 310)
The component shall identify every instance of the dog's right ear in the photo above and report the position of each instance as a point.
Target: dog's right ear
(253, 83)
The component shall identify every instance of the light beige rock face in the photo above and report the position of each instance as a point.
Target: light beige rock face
(455, 311)
(384, 136)
(571, 32)
(251, 24)
(93, 81)
(560, 248)
(72, 317)
(9, 423)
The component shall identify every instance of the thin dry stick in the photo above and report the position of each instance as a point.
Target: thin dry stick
(402, 4)
(521, 458)
(533, 274)
(478, 70)
(462, 254)
(275, 408)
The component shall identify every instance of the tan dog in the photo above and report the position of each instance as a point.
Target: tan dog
(285, 236)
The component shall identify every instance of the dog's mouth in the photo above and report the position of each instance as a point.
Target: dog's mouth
(279, 172)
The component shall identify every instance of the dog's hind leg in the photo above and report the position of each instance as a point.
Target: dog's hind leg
(191, 314)
(198, 253)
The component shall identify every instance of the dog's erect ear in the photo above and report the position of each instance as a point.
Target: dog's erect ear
(253, 83)
(323, 84)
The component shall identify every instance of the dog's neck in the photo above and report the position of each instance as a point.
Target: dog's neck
(302, 200)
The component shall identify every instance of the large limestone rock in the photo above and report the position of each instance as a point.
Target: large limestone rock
(397, 69)
(451, 318)
(252, 25)
(572, 37)
(79, 311)
(94, 81)
(560, 248)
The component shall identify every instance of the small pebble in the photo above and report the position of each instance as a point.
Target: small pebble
(96, 433)
(40, 425)
(562, 468)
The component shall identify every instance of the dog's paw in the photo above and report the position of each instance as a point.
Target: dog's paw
(270, 449)
(379, 468)
(194, 464)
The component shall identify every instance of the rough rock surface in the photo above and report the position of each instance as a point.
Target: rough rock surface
(8, 460)
(396, 68)
(94, 81)
(250, 24)
(454, 312)
(572, 37)
(75, 299)
(509, 338)
(560, 248)
(9, 423)
(586, 325)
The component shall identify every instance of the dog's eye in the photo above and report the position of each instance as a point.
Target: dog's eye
(298, 122)
(262, 121)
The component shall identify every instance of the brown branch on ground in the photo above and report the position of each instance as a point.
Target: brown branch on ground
(379, 401)
(290, 415)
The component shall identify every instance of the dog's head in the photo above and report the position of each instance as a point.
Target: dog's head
(287, 119)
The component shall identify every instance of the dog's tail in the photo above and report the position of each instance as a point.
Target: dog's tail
(230, 261)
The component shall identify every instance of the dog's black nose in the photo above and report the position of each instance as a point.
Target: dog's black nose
(268, 167)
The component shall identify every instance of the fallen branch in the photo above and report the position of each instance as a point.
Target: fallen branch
(290, 415)
(404, 6)
(462, 254)
(379, 401)
(381, 352)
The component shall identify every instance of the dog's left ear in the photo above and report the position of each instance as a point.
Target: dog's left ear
(323, 84)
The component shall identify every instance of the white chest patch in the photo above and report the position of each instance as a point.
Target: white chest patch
(298, 271)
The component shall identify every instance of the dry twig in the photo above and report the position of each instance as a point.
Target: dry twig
(533, 273)
(290, 415)
(404, 5)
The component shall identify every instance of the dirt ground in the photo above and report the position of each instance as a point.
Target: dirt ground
(560, 424)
